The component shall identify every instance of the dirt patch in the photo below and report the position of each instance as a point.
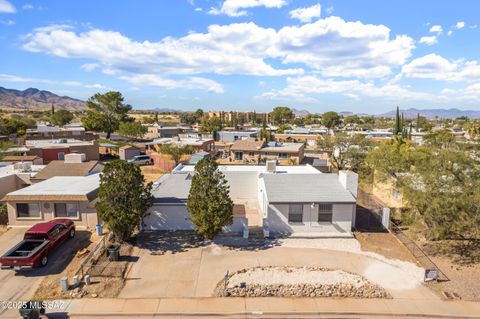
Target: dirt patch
(463, 272)
(385, 244)
(3, 229)
(298, 282)
(151, 173)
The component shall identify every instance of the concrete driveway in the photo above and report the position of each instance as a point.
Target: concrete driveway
(189, 268)
(18, 286)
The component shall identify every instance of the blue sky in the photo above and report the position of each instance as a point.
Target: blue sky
(360, 56)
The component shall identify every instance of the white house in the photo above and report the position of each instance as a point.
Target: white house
(284, 200)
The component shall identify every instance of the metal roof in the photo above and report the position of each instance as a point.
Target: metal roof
(306, 188)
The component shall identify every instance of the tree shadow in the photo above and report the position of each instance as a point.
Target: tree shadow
(174, 241)
(367, 220)
(462, 252)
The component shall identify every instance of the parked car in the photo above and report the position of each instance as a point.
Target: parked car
(141, 160)
(38, 243)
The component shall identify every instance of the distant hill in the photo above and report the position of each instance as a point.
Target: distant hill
(300, 112)
(432, 113)
(35, 99)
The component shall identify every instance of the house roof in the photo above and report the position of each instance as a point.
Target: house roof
(13, 158)
(283, 147)
(172, 188)
(60, 168)
(67, 188)
(248, 145)
(306, 188)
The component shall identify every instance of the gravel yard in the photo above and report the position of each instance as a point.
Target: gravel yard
(289, 281)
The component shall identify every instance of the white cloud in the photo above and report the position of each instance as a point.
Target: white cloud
(306, 14)
(429, 40)
(28, 6)
(89, 66)
(302, 87)
(234, 8)
(460, 25)
(450, 32)
(20, 79)
(6, 7)
(332, 47)
(436, 67)
(473, 26)
(189, 83)
(198, 9)
(436, 29)
(329, 10)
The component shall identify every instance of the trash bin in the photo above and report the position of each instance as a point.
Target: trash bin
(32, 309)
(113, 252)
(99, 229)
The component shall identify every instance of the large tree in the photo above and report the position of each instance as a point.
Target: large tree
(124, 199)
(61, 117)
(106, 112)
(132, 129)
(176, 152)
(209, 201)
(330, 119)
(281, 114)
(212, 124)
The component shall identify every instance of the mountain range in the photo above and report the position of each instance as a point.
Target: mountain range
(434, 113)
(35, 99)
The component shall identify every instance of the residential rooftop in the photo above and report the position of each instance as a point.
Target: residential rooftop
(287, 169)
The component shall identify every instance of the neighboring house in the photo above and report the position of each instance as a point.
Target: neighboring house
(158, 131)
(68, 168)
(232, 136)
(387, 192)
(72, 130)
(16, 176)
(198, 143)
(33, 159)
(284, 200)
(309, 140)
(128, 152)
(72, 197)
(51, 150)
(197, 157)
(252, 151)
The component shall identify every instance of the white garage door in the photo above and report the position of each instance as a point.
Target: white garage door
(168, 218)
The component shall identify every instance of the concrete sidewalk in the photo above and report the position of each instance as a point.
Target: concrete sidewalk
(263, 307)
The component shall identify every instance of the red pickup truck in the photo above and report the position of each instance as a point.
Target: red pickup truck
(37, 245)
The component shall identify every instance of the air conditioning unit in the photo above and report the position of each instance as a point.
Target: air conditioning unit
(271, 166)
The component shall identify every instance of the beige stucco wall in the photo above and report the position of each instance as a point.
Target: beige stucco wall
(385, 192)
(87, 214)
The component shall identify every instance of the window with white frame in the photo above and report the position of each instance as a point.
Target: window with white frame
(67, 210)
(325, 213)
(295, 213)
(28, 210)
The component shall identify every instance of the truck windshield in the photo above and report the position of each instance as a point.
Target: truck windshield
(35, 236)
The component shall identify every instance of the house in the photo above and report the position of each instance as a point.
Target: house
(284, 200)
(51, 150)
(128, 152)
(33, 159)
(73, 165)
(158, 131)
(72, 130)
(16, 176)
(252, 151)
(197, 157)
(198, 143)
(232, 136)
(72, 197)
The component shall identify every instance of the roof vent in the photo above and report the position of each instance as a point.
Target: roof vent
(271, 166)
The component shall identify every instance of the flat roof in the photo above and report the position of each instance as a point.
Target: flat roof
(306, 188)
(55, 143)
(287, 169)
(181, 141)
(59, 187)
(283, 147)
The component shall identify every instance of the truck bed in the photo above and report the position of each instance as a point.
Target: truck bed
(25, 249)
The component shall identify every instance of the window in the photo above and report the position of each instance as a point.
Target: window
(30, 210)
(69, 210)
(61, 155)
(295, 213)
(396, 194)
(238, 156)
(235, 137)
(282, 155)
(251, 154)
(325, 213)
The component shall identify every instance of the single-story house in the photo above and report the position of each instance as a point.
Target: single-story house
(51, 150)
(128, 152)
(33, 159)
(71, 197)
(250, 150)
(16, 176)
(284, 200)
(65, 168)
(232, 136)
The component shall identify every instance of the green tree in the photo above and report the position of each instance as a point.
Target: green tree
(441, 138)
(209, 202)
(176, 152)
(124, 199)
(106, 112)
(281, 114)
(212, 125)
(330, 119)
(283, 127)
(61, 117)
(199, 115)
(188, 118)
(4, 146)
(52, 110)
(3, 214)
(132, 129)
(398, 123)
(155, 117)
(13, 125)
